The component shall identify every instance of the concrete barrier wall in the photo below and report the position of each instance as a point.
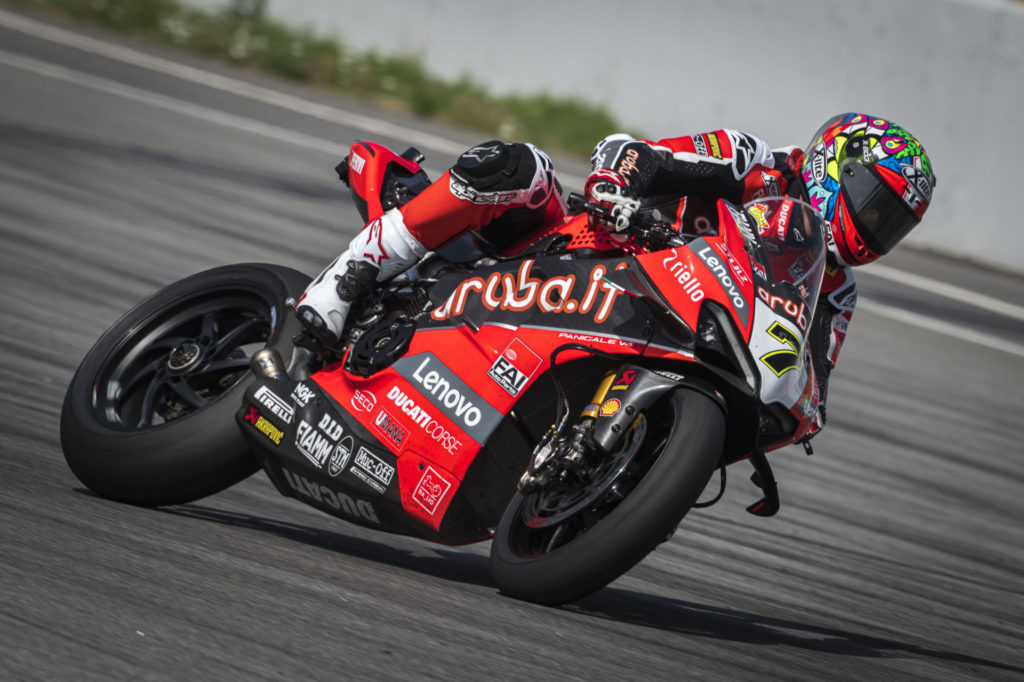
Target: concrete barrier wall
(951, 71)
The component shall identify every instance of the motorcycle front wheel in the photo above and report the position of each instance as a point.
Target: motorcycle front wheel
(148, 418)
(555, 545)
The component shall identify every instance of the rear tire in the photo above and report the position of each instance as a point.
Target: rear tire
(525, 567)
(148, 418)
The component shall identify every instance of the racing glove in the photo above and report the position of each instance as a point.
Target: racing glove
(611, 193)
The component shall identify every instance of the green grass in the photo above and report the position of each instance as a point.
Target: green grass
(240, 33)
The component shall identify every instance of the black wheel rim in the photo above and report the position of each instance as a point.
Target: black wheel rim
(182, 358)
(548, 520)
(551, 507)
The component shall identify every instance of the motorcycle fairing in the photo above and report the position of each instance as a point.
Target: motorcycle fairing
(556, 291)
(476, 353)
(321, 455)
(380, 179)
(714, 267)
(491, 332)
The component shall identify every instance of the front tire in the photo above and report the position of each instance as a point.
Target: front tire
(148, 418)
(531, 561)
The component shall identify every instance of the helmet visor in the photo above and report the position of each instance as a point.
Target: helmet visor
(880, 216)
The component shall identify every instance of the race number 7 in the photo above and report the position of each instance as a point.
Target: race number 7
(781, 361)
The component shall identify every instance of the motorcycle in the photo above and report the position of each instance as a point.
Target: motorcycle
(569, 397)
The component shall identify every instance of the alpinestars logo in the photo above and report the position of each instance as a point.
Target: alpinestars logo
(484, 152)
(744, 153)
(373, 248)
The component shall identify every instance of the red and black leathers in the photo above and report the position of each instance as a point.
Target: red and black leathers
(738, 167)
(505, 191)
(501, 190)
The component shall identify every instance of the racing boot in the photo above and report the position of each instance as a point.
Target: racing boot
(383, 249)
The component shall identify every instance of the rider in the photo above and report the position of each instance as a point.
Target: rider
(869, 179)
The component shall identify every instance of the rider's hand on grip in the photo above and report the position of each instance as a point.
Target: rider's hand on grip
(609, 190)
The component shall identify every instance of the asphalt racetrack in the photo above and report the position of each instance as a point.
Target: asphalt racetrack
(898, 554)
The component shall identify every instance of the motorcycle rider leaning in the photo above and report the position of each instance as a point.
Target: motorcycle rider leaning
(869, 179)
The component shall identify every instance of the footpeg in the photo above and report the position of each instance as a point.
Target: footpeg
(316, 326)
(764, 479)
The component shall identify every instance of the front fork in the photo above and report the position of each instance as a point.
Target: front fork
(623, 394)
(568, 447)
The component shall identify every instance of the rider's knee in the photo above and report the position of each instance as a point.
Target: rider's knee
(505, 173)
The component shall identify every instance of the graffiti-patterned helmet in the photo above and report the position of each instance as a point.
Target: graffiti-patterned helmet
(870, 180)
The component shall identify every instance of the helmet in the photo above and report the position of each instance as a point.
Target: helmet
(870, 180)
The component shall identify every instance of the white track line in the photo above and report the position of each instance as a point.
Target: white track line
(938, 326)
(947, 290)
(170, 103)
(373, 126)
(379, 127)
(187, 73)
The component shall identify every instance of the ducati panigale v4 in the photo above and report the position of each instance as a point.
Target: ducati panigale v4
(568, 397)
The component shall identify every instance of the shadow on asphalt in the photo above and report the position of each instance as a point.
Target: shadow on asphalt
(626, 606)
(454, 566)
(701, 620)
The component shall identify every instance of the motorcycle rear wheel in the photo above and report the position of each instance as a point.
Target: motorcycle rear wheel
(148, 418)
(558, 562)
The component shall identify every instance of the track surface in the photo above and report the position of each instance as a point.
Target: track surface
(898, 554)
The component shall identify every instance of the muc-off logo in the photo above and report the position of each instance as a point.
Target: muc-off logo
(514, 367)
(450, 394)
(372, 470)
(699, 146)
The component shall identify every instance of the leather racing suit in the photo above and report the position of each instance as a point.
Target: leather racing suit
(507, 191)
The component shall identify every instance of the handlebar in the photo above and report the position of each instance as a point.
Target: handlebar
(646, 224)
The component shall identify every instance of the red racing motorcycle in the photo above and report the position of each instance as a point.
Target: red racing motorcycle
(569, 397)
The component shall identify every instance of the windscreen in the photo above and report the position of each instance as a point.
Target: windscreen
(789, 261)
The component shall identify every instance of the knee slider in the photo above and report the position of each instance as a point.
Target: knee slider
(496, 166)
